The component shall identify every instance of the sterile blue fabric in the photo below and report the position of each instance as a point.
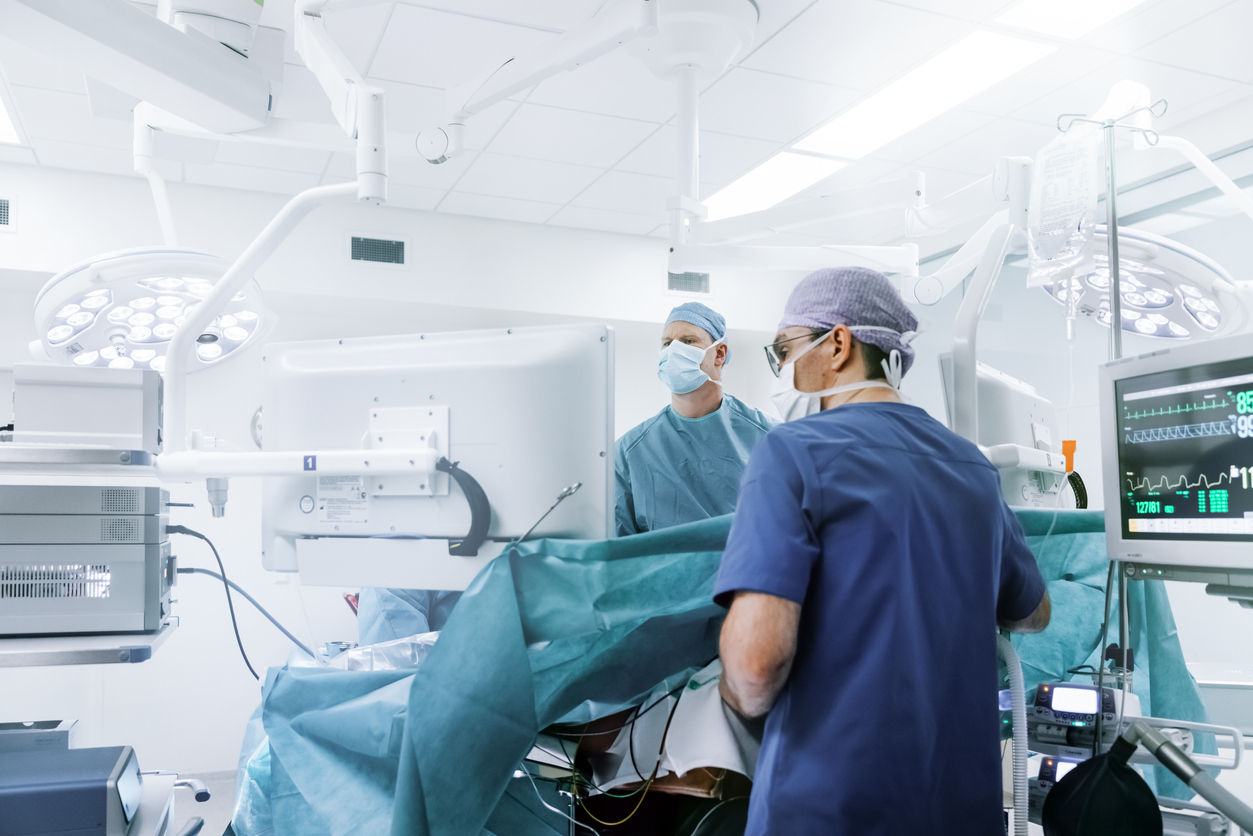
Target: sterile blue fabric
(552, 630)
(704, 317)
(853, 296)
(388, 614)
(889, 530)
(672, 470)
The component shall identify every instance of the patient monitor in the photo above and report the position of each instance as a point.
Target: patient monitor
(1177, 432)
(524, 412)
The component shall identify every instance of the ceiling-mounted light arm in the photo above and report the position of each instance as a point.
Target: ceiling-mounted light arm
(907, 192)
(144, 165)
(1006, 189)
(359, 108)
(930, 289)
(620, 22)
(1206, 166)
(199, 318)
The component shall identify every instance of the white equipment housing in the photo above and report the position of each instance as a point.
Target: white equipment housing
(1014, 421)
(525, 411)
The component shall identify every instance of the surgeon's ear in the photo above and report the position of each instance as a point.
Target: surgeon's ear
(841, 348)
(720, 355)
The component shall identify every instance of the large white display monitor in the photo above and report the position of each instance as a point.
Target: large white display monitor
(1177, 450)
(526, 412)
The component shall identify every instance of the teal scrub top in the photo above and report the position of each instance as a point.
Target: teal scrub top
(672, 470)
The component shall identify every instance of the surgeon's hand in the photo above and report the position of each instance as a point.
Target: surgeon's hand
(757, 646)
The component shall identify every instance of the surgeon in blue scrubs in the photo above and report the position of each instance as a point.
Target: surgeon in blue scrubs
(684, 464)
(869, 564)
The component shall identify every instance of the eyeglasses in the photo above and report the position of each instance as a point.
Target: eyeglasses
(778, 351)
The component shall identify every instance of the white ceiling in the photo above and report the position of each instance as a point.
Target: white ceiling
(592, 148)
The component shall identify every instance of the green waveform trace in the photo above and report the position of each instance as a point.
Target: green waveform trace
(1176, 410)
(1202, 481)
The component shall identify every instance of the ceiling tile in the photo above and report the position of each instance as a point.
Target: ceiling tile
(496, 174)
(620, 191)
(1209, 45)
(768, 106)
(17, 154)
(357, 31)
(439, 49)
(855, 43)
(275, 157)
(1233, 126)
(1154, 21)
(58, 154)
(1183, 88)
(549, 133)
(851, 176)
(977, 154)
(249, 178)
(617, 84)
(28, 67)
(485, 206)
(413, 197)
(559, 15)
(722, 157)
(973, 10)
(776, 15)
(415, 171)
(1065, 66)
(940, 131)
(51, 114)
(605, 220)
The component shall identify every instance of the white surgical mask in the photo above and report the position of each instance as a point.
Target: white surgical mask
(794, 404)
(678, 366)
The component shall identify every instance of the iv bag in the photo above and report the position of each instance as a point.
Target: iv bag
(1061, 218)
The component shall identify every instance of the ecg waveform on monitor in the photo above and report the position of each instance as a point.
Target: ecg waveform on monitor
(1178, 432)
(1202, 481)
(1182, 409)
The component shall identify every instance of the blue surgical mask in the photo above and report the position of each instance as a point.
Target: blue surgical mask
(678, 367)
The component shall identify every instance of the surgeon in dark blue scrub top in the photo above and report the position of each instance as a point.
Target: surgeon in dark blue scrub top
(869, 563)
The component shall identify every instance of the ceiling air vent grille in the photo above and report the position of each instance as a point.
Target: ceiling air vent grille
(378, 250)
(689, 282)
(5, 218)
(55, 581)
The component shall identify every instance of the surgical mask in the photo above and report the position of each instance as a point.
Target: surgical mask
(678, 367)
(794, 404)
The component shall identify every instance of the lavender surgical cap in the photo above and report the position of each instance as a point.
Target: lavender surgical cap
(859, 298)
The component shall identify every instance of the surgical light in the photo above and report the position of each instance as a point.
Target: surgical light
(777, 179)
(1069, 19)
(967, 68)
(122, 309)
(1167, 290)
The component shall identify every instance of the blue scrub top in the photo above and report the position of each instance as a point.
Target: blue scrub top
(672, 470)
(890, 531)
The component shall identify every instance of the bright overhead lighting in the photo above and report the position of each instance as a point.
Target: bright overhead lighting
(965, 69)
(777, 179)
(7, 132)
(1065, 18)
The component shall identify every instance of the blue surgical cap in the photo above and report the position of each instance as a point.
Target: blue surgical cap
(854, 296)
(702, 316)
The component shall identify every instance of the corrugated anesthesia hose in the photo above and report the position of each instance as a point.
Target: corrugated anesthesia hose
(1019, 698)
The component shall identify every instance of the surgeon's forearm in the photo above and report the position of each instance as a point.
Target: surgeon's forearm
(757, 646)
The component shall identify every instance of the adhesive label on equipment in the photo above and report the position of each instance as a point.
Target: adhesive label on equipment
(343, 499)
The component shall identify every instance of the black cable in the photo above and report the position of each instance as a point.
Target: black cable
(182, 529)
(480, 509)
(197, 571)
(634, 717)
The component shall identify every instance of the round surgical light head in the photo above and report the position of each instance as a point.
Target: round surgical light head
(122, 309)
(1167, 290)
